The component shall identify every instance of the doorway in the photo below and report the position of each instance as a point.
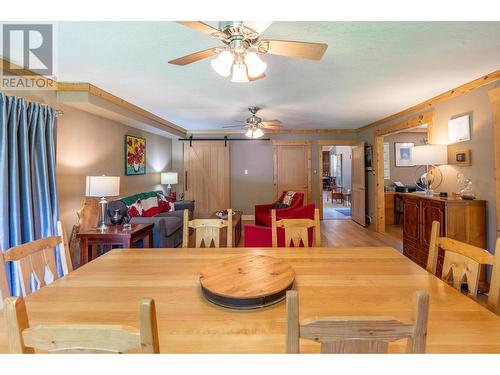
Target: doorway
(398, 173)
(386, 164)
(335, 179)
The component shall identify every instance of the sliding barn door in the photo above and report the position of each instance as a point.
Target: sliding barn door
(206, 169)
(292, 167)
(358, 197)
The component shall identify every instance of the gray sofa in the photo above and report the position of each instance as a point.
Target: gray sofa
(167, 229)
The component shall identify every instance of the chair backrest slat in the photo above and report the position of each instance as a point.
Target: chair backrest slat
(207, 231)
(357, 334)
(37, 260)
(296, 230)
(462, 264)
(77, 338)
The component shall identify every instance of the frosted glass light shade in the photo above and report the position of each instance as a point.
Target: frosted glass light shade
(254, 64)
(102, 186)
(222, 64)
(254, 133)
(168, 178)
(239, 73)
(430, 155)
(258, 133)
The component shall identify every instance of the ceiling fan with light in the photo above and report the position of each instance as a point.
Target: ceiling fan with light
(254, 125)
(238, 58)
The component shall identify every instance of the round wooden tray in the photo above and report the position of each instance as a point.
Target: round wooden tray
(247, 281)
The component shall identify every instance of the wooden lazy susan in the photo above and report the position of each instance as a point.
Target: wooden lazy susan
(247, 281)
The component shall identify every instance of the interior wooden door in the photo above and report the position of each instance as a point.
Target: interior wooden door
(206, 169)
(292, 167)
(358, 197)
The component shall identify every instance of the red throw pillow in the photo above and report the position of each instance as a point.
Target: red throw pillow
(153, 211)
(133, 212)
(164, 206)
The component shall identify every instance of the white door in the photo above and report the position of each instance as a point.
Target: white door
(358, 197)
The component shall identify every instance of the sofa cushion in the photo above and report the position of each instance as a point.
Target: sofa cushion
(172, 224)
(263, 218)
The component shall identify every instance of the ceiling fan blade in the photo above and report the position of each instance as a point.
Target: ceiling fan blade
(304, 50)
(200, 55)
(258, 26)
(273, 124)
(263, 75)
(201, 27)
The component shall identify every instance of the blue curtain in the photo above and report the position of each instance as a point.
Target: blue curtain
(28, 193)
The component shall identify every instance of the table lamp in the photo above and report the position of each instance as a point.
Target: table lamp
(102, 186)
(430, 156)
(169, 178)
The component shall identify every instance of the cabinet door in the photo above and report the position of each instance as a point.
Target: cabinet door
(431, 211)
(411, 218)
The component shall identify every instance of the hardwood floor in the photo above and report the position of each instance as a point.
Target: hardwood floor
(348, 233)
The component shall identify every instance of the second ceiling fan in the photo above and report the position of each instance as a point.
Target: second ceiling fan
(254, 125)
(238, 58)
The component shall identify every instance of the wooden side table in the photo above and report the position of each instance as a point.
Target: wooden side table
(115, 235)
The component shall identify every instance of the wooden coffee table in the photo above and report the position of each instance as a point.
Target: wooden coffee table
(115, 235)
(236, 229)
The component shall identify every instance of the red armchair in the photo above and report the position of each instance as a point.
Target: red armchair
(261, 236)
(263, 211)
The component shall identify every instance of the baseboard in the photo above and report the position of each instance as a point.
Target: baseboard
(248, 217)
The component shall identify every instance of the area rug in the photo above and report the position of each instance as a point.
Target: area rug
(344, 211)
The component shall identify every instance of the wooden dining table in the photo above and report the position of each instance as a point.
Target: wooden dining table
(350, 281)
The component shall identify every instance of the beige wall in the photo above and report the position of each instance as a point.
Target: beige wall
(482, 170)
(91, 145)
(404, 174)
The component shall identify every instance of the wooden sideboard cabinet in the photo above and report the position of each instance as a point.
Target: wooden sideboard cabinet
(463, 220)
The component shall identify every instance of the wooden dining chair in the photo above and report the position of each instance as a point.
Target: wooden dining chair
(296, 230)
(37, 261)
(365, 334)
(207, 231)
(80, 338)
(462, 264)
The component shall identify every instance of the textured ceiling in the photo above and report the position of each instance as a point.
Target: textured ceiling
(370, 70)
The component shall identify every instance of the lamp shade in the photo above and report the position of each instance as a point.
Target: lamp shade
(102, 186)
(430, 155)
(169, 178)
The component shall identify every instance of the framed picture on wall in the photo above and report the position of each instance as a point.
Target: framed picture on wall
(403, 154)
(368, 158)
(135, 155)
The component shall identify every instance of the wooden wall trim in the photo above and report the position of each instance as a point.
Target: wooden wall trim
(94, 90)
(494, 96)
(424, 118)
(337, 142)
(457, 91)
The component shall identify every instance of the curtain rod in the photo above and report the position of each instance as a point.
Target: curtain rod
(225, 139)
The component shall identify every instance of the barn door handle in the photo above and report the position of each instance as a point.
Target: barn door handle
(185, 180)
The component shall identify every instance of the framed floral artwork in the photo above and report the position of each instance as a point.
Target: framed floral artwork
(135, 155)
